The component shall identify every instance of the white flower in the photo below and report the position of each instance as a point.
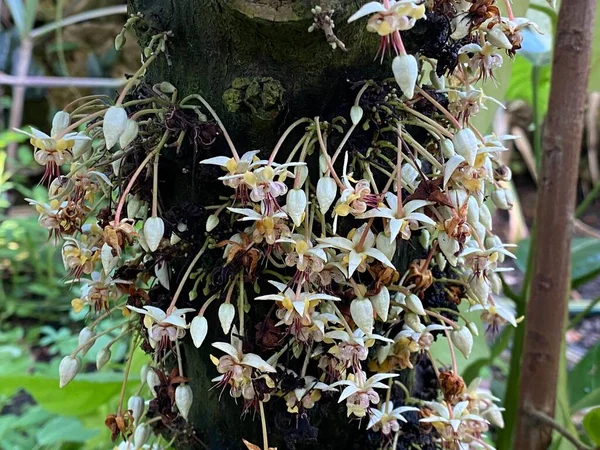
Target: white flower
(360, 391)
(248, 161)
(403, 221)
(358, 250)
(399, 15)
(448, 415)
(163, 327)
(406, 72)
(386, 417)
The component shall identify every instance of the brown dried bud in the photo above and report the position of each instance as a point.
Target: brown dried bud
(452, 385)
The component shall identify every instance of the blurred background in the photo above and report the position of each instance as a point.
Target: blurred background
(54, 51)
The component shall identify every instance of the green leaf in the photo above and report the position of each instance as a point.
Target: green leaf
(591, 424)
(520, 86)
(63, 429)
(584, 378)
(591, 399)
(585, 259)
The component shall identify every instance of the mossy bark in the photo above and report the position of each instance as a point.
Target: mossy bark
(260, 68)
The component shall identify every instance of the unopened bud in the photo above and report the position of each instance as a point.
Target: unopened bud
(135, 404)
(141, 435)
(326, 193)
(198, 330)
(67, 370)
(212, 222)
(183, 399)
(226, 315)
(502, 198)
(86, 340)
(154, 228)
(462, 340)
(356, 114)
(361, 310)
(102, 357)
(120, 40)
(466, 145)
(406, 71)
(114, 125)
(130, 133)
(152, 380)
(414, 303)
(381, 303)
(296, 205)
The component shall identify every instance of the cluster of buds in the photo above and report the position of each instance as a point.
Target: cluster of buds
(322, 250)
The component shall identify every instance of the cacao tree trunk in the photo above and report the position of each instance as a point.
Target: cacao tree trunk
(259, 67)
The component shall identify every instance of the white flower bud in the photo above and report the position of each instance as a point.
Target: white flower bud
(161, 270)
(381, 303)
(152, 381)
(466, 145)
(406, 71)
(142, 241)
(86, 340)
(441, 261)
(447, 148)
(462, 340)
(144, 371)
(109, 261)
(495, 283)
(120, 41)
(60, 121)
(412, 321)
(226, 315)
(198, 330)
(154, 228)
(114, 125)
(449, 247)
(67, 370)
(212, 222)
(102, 357)
(141, 435)
(480, 289)
(302, 173)
(425, 239)
(473, 328)
(130, 133)
(356, 114)
(296, 205)
(174, 239)
(134, 206)
(326, 193)
(361, 310)
(81, 147)
(414, 303)
(502, 198)
(183, 399)
(166, 87)
(409, 173)
(135, 404)
(458, 197)
(485, 217)
(494, 416)
(473, 210)
(496, 37)
(116, 164)
(383, 352)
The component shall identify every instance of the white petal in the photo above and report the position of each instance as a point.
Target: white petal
(257, 362)
(365, 10)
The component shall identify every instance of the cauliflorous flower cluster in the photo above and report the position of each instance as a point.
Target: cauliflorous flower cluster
(350, 254)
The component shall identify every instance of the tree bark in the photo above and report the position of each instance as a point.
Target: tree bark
(259, 67)
(547, 306)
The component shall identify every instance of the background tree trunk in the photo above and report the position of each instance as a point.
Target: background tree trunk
(259, 67)
(546, 309)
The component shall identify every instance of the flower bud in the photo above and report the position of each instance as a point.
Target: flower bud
(361, 311)
(302, 173)
(144, 371)
(81, 146)
(480, 289)
(141, 435)
(67, 370)
(152, 381)
(473, 210)
(494, 416)
(449, 247)
(130, 133)
(134, 206)
(356, 114)
(502, 198)
(439, 83)
(409, 174)
(441, 261)
(114, 125)
(473, 328)
(60, 121)
(174, 239)
(135, 404)
(326, 193)
(485, 217)
(424, 239)
(161, 270)
(383, 351)
(226, 315)
(183, 399)
(406, 71)
(465, 145)
(85, 340)
(154, 229)
(412, 321)
(385, 246)
(166, 87)
(447, 148)
(120, 40)
(198, 330)
(497, 38)
(414, 303)
(116, 164)
(102, 357)
(462, 340)
(109, 261)
(296, 205)
(381, 303)
(212, 222)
